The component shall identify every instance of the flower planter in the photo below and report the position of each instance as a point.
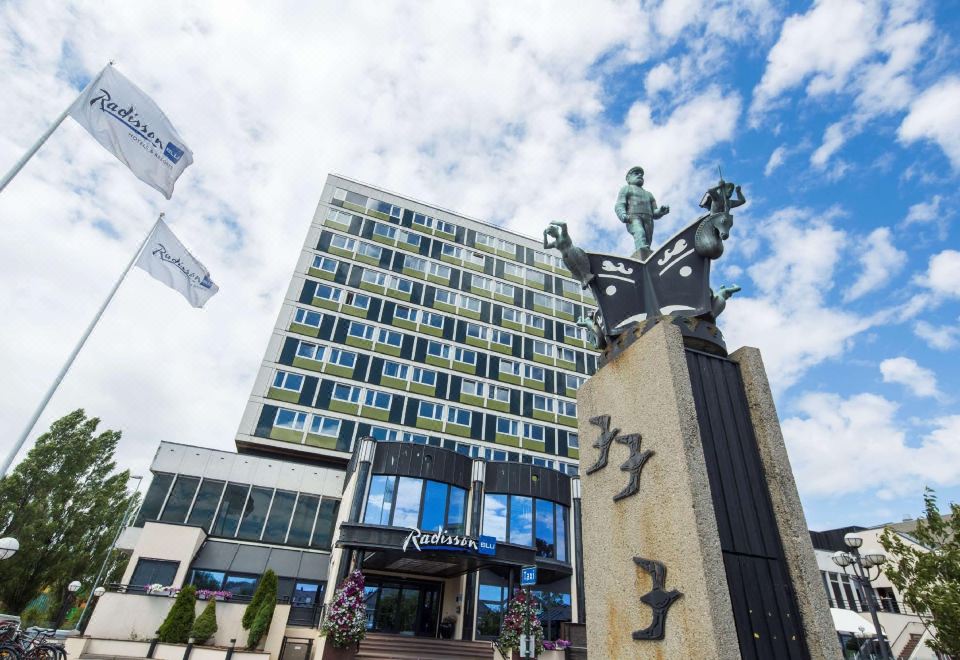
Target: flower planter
(331, 652)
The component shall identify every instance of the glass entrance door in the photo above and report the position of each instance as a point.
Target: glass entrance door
(402, 607)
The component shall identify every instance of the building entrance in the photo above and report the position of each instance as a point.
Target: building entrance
(402, 607)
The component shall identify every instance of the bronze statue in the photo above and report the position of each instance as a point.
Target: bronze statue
(574, 258)
(637, 209)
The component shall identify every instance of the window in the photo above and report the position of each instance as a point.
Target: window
(328, 426)
(542, 403)
(441, 271)
(231, 506)
(370, 250)
(325, 264)
(570, 287)
(536, 277)
(470, 303)
(255, 513)
(513, 315)
(445, 297)
(495, 516)
(476, 331)
(339, 216)
(542, 300)
(377, 399)
(357, 300)
(415, 263)
(288, 381)
(574, 382)
(531, 372)
(301, 525)
(491, 604)
(373, 277)
(342, 358)
(430, 410)
(307, 317)
(542, 348)
(533, 432)
(422, 220)
(505, 289)
(573, 441)
(536, 322)
(240, 585)
(501, 337)
(433, 319)
(424, 376)
(567, 408)
(405, 313)
(384, 435)
(521, 520)
(513, 270)
(483, 283)
(326, 519)
(310, 351)
(485, 240)
(178, 502)
(346, 393)
(458, 416)
(387, 231)
(395, 370)
(566, 354)
(205, 504)
(564, 306)
(475, 258)
(439, 350)
(360, 330)
(415, 438)
(325, 292)
(508, 426)
(203, 579)
(380, 500)
(498, 393)
(399, 284)
(381, 207)
(446, 227)
(465, 356)
(544, 539)
(154, 571)
(343, 243)
(542, 259)
(290, 419)
(280, 511)
(572, 331)
(408, 238)
(471, 387)
(453, 251)
(390, 337)
(510, 368)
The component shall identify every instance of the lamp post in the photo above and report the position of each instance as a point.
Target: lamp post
(860, 565)
(8, 547)
(72, 588)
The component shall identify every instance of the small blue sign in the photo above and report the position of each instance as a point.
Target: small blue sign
(528, 576)
(173, 152)
(488, 545)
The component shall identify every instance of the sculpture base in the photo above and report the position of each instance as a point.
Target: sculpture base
(698, 333)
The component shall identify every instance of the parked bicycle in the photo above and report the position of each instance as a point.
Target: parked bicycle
(32, 644)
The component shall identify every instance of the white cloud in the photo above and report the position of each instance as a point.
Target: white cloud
(933, 116)
(920, 381)
(777, 158)
(842, 446)
(880, 261)
(833, 138)
(939, 337)
(659, 78)
(943, 274)
(929, 213)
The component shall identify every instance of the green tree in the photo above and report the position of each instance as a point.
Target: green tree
(259, 613)
(176, 628)
(928, 578)
(63, 502)
(206, 624)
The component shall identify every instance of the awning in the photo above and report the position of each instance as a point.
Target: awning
(849, 621)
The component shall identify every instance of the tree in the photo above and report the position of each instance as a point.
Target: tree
(206, 624)
(928, 578)
(63, 502)
(259, 612)
(176, 628)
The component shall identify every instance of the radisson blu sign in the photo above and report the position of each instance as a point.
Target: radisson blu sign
(443, 540)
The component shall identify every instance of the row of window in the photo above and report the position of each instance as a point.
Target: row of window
(409, 502)
(529, 521)
(234, 510)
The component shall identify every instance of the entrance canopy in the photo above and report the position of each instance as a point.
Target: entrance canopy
(850, 622)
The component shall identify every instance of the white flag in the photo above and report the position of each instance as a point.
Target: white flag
(130, 126)
(165, 258)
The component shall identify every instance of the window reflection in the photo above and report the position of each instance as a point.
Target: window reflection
(302, 524)
(544, 530)
(206, 504)
(279, 520)
(407, 507)
(521, 520)
(455, 516)
(153, 500)
(180, 498)
(228, 517)
(495, 516)
(410, 502)
(434, 506)
(326, 518)
(258, 502)
(380, 500)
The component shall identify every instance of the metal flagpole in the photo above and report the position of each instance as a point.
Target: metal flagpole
(43, 138)
(63, 371)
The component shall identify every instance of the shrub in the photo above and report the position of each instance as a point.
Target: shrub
(206, 624)
(175, 629)
(346, 620)
(257, 616)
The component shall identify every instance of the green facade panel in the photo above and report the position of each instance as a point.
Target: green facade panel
(534, 445)
(465, 368)
(420, 388)
(337, 370)
(567, 421)
(307, 330)
(543, 415)
(283, 395)
(322, 441)
(437, 361)
(471, 400)
(359, 343)
(387, 349)
(304, 363)
(456, 429)
(509, 440)
(374, 413)
(502, 406)
(429, 424)
(321, 274)
(343, 407)
(286, 435)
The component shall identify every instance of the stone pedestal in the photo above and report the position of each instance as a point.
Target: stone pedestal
(735, 547)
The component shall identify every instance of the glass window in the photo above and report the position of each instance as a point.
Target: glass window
(566, 354)
(446, 227)
(574, 382)
(342, 358)
(484, 239)
(347, 393)
(573, 440)
(476, 331)
(381, 229)
(154, 571)
(240, 585)
(205, 505)
(475, 258)
(505, 289)
(380, 500)
(502, 337)
(433, 319)
(471, 387)
(328, 426)
(536, 322)
(498, 393)
(342, 242)
(279, 520)
(458, 416)
(512, 315)
(561, 532)
(180, 498)
(153, 500)
(258, 502)
(286, 380)
(415, 263)
(228, 517)
(542, 403)
(290, 419)
(384, 435)
(495, 516)
(310, 351)
(533, 432)
(567, 408)
(456, 516)
(399, 284)
(440, 270)
(373, 277)
(325, 292)
(424, 376)
(434, 506)
(564, 306)
(445, 297)
(437, 349)
(395, 370)
(326, 519)
(325, 263)
(360, 330)
(571, 331)
(465, 356)
(369, 250)
(302, 523)
(470, 303)
(359, 300)
(203, 579)
(545, 542)
(509, 367)
(405, 313)
(535, 276)
(483, 283)
(432, 411)
(308, 317)
(521, 520)
(406, 510)
(533, 373)
(390, 337)
(507, 426)
(377, 399)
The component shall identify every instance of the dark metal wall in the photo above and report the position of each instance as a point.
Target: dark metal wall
(525, 479)
(422, 461)
(765, 607)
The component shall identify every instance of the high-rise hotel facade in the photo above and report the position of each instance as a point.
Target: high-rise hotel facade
(414, 417)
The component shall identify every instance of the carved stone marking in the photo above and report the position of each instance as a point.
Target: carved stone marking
(603, 443)
(657, 599)
(634, 463)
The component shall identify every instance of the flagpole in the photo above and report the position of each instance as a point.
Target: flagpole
(8, 177)
(18, 445)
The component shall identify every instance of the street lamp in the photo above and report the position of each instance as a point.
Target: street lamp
(8, 547)
(99, 591)
(860, 566)
(72, 588)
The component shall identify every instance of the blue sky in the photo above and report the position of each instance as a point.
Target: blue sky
(839, 118)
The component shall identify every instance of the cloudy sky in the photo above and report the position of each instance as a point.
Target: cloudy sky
(839, 118)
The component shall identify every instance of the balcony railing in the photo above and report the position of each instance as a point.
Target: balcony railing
(883, 605)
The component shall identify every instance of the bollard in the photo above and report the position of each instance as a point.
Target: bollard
(233, 644)
(189, 649)
(153, 644)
